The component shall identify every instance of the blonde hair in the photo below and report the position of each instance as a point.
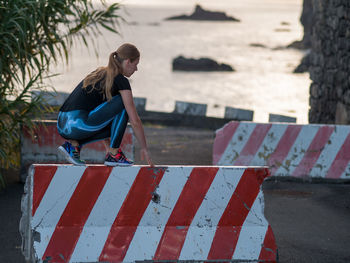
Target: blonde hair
(107, 74)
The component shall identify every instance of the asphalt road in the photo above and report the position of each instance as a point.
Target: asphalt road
(311, 221)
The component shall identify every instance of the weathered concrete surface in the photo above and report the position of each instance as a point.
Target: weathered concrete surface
(182, 107)
(310, 220)
(304, 151)
(222, 220)
(281, 118)
(41, 147)
(238, 114)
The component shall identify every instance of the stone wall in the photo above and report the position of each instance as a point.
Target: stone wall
(330, 62)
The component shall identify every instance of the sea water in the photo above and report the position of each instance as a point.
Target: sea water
(255, 47)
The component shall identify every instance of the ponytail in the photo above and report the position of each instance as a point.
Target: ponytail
(107, 74)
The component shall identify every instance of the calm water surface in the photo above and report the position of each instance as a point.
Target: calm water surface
(263, 80)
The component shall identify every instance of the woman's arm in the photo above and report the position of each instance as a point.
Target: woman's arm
(136, 124)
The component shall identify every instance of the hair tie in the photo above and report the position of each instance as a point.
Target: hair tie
(115, 55)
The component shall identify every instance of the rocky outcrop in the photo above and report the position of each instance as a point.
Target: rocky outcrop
(330, 63)
(203, 64)
(306, 20)
(304, 64)
(205, 15)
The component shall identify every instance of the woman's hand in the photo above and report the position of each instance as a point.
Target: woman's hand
(145, 155)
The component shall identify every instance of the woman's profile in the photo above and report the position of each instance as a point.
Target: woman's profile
(100, 107)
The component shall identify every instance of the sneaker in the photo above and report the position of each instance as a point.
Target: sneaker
(117, 160)
(71, 153)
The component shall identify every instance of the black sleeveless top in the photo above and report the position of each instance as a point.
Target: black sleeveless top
(88, 98)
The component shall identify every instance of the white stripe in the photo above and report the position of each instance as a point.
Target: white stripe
(256, 216)
(269, 144)
(53, 204)
(250, 242)
(236, 144)
(103, 214)
(346, 173)
(151, 226)
(298, 150)
(330, 151)
(252, 235)
(203, 227)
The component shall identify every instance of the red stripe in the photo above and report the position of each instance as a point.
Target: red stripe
(253, 144)
(130, 214)
(41, 180)
(222, 139)
(283, 147)
(314, 151)
(229, 226)
(268, 251)
(341, 160)
(224, 242)
(71, 223)
(186, 207)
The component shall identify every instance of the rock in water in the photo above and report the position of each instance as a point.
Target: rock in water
(204, 15)
(203, 64)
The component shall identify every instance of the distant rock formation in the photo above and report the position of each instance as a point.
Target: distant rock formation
(307, 21)
(257, 45)
(205, 15)
(203, 64)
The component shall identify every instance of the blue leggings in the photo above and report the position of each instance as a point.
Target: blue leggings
(107, 120)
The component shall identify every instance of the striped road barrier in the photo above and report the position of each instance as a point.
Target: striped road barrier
(41, 145)
(288, 149)
(127, 214)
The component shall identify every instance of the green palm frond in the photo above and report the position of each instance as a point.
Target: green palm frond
(33, 35)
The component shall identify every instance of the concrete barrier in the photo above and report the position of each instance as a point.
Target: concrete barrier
(140, 104)
(128, 214)
(41, 147)
(238, 114)
(288, 149)
(51, 98)
(281, 118)
(57, 98)
(188, 108)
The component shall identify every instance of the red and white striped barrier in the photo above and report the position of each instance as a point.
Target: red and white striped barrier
(42, 147)
(288, 149)
(127, 214)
